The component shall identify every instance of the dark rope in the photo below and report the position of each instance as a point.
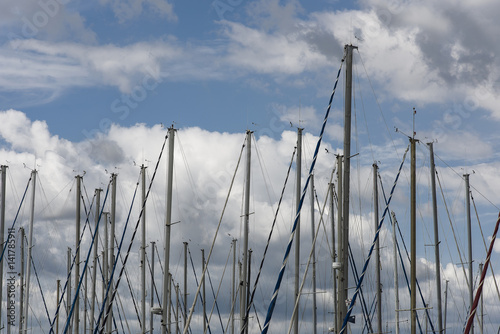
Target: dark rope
(130, 245)
(245, 324)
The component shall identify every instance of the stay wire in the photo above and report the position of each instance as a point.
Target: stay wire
(485, 247)
(274, 297)
(198, 292)
(245, 324)
(15, 219)
(365, 267)
(68, 277)
(130, 244)
(188, 320)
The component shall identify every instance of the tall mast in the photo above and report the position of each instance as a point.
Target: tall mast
(76, 313)
(243, 291)
(3, 170)
(30, 245)
(297, 230)
(168, 217)
(96, 247)
(143, 250)
(413, 232)
(436, 238)
(21, 279)
(185, 280)
(151, 301)
(377, 251)
(334, 257)
(340, 237)
(233, 286)
(204, 304)
(445, 305)
(105, 269)
(469, 239)
(396, 284)
(313, 258)
(343, 273)
(68, 293)
(111, 258)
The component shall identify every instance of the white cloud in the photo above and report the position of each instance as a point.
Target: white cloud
(204, 164)
(126, 10)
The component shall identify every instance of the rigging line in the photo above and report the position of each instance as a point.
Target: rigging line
(268, 241)
(15, 219)
(452, 229)
(72, 264)
(483, 274)
(365, 267)
(40, 287)
(188, 320)
(257, 317)
(321, 222)
(403, 266)
(198, 292)
(123, 311)
(484, 242)
(364, 112)
(471, 186)
(297, 216)
(130, 289)
(154, 284)
(68, 277)
(130, 244)
(366, 313)
(399, 250)
(218, 289)
(378, 103)
(215, 297)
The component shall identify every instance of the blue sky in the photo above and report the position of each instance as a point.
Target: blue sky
(91, 86)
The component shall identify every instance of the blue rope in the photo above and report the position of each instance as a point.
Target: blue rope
(15, 219)
(110, 282)
(68, 277)
(68, 320)
(366, 313)
(372, 247)
(250, 303)
(274, 297)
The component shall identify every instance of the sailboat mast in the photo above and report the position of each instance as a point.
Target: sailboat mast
(377, 251)
(313, 229)
(143, 249)
(436, 238)
(344, 256)
(168, 217)
(297, 230)
(30, 245)
(3, 170)
(76, 314)
(151, 301)
(340, 237)
(413, 247)
(21, 284)
(334, 257)
(233, 286)
(96, 246)
(243, 291)
(111, 253)
(396, 284)
(185, 281)
(469, 240)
